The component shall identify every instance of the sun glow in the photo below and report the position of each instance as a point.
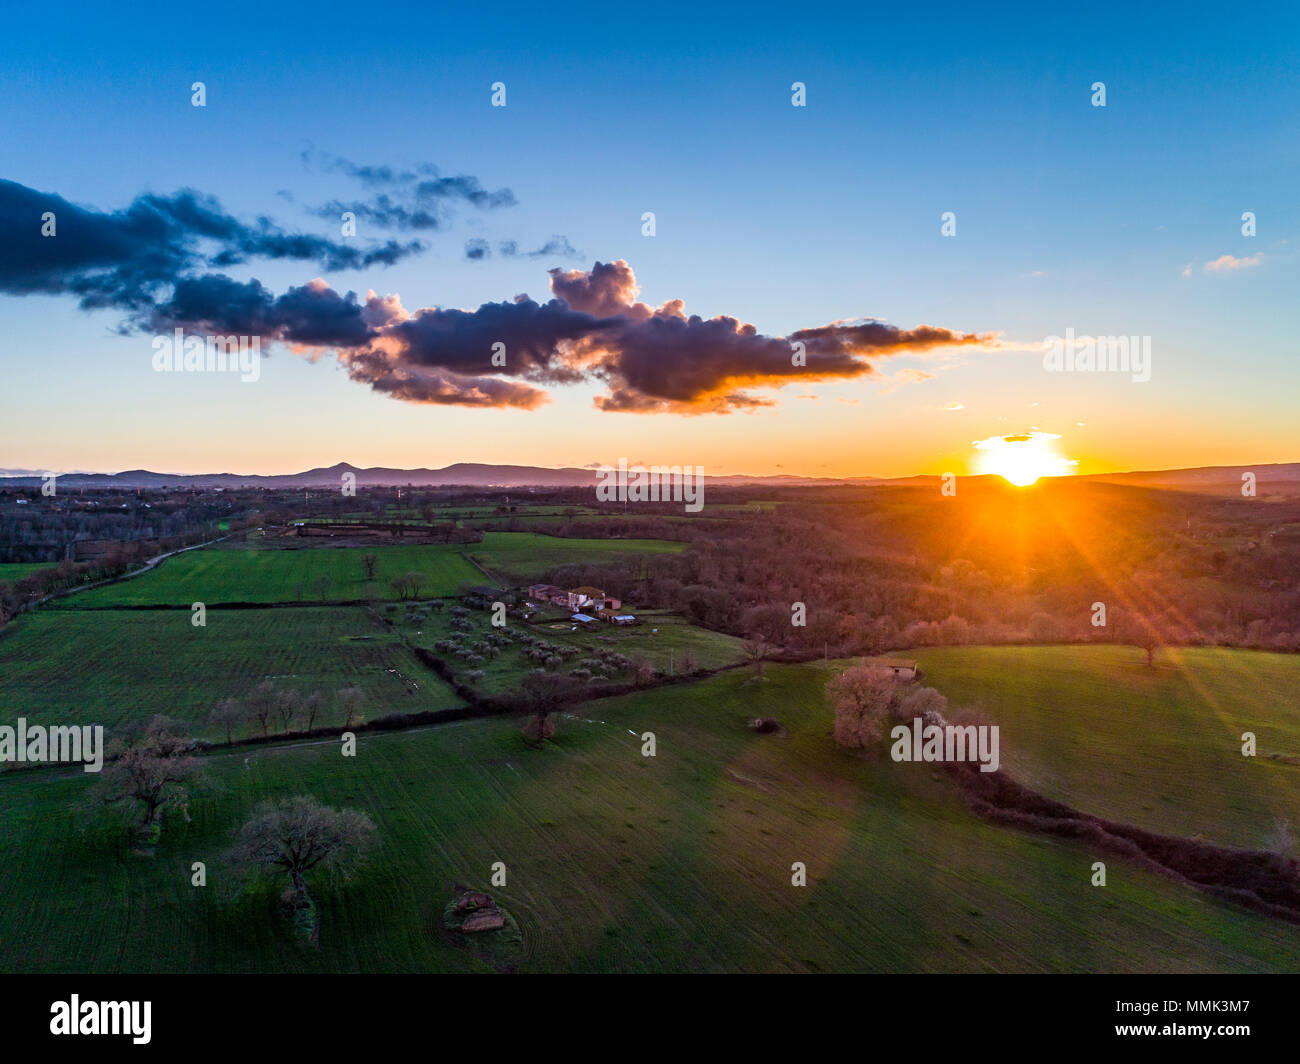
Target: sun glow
(1023, 458)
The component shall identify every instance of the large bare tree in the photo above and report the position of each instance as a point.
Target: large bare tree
(545, 694)
(865, 697)
(298, 835)
(862, 697)
(150, 769)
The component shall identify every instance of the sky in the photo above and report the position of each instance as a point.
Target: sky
(774, 224)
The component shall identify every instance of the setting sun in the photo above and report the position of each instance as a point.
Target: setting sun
(1023, 458)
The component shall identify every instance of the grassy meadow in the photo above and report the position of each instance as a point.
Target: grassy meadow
(266, 575)
(10, 571)
(1158, 747)
(523, 557)
(110, 666)
(616, 862)
(619, 862)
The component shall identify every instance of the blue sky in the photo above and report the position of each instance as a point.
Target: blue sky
(1067, 216)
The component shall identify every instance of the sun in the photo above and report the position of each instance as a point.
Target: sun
(1021, 459)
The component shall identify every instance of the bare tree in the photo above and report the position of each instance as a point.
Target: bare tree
(151, 769)
(545, 693)
(287, 706)
(1149, 640)
(368, 562)
(312, 706)
(321, 585)
(350, 700)
(261, 705)
(299, 834)
(228, 714)
(415, 580)
(755, 648)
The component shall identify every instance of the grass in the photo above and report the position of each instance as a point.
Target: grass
(1158, 747)
(107, 667)
(616, 862)
(415, 515)
(233, 574)
(521, 557)
(18, 570)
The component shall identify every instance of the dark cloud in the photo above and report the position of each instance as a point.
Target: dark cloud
(534, 335)
(462, 187)
(160, 260)
(558, 246)
(373, 176)
(383, 213)
(417, 198)
(650, 359)
(124, 259)
(661, 360)
(313, 315)
(415, 384)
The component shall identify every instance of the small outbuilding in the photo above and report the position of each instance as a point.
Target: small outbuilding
(902, 668)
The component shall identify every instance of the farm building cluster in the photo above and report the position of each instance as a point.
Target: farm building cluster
(586, 605)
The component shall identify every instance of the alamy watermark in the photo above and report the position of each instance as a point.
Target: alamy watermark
(1099, 354)
(949, 742)
(77, 1017)
(179, 353)
(638, 483)
(58, 744)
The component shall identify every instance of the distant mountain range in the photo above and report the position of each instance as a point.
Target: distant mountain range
(468, 474)
(476, 474)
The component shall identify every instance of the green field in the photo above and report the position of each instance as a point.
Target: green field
(17, 570)
(522, 557)
(108, 666)
(216, 575)
(415, 515)
(617, 862)
(1159, 747)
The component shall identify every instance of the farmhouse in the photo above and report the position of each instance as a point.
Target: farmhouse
(578, 598)
(594, 597)
(548, 593)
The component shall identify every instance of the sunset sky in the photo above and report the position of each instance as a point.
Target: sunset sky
(796, 222)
